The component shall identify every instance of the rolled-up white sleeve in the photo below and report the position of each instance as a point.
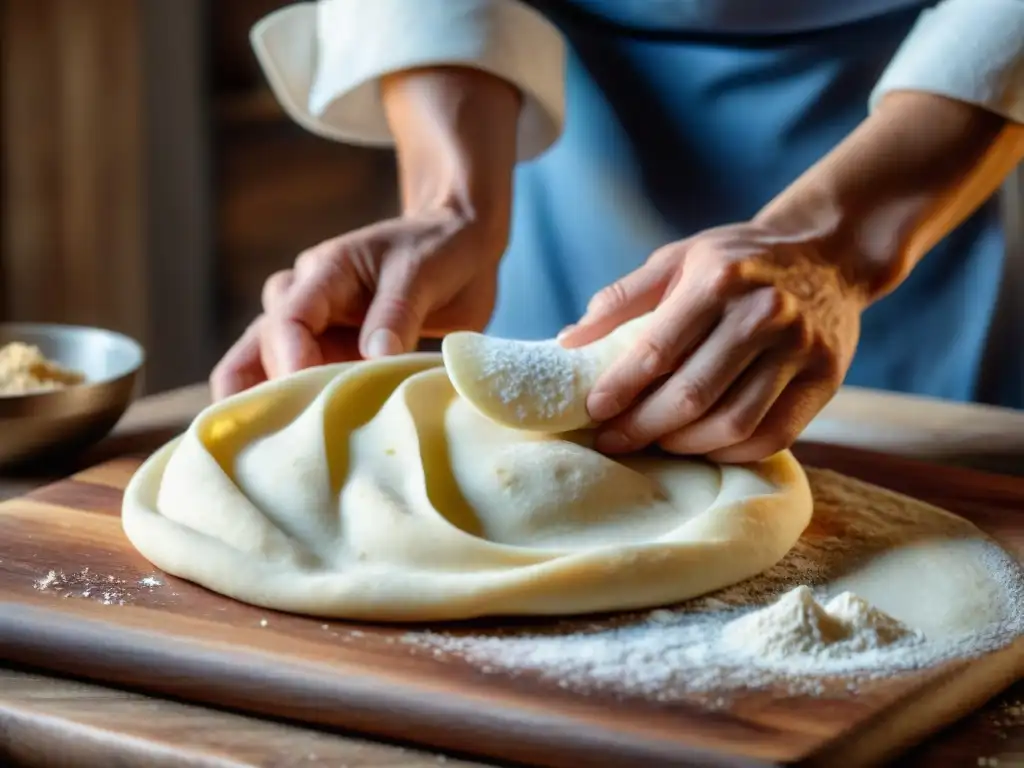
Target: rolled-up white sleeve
(968, 50)
(324, 60)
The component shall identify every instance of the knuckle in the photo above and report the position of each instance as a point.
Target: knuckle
(723, 277)
(802, 335)
(689, 400)
(771, 309)
(307, 260)
(735, 428)
(654, 357)
(635, 432)
(275, 288)
(704, 250)
(776, 304)
(610, 299)
(667, 255)
(397, 308)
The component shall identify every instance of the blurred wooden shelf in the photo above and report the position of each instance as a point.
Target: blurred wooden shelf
(255, 106)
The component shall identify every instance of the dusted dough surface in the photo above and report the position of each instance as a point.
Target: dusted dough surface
(373, 491)
(538, 386)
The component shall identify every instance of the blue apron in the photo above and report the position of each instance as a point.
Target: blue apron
(689, 114)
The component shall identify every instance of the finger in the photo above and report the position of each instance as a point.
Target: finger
(676, 327)
(739, 414)
(287, 346)
(324, 290)
(630, 297)
(319, 295)
(398, 310)
(275, 289)
(802, 400)
(241, 367)
(692, 391)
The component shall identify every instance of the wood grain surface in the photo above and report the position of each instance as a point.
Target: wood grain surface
(78, 725)
(179, 640)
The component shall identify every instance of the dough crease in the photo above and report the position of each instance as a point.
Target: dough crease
(373, 491)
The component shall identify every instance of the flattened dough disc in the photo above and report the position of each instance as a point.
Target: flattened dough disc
(373, 491)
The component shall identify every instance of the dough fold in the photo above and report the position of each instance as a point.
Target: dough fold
(373, 491)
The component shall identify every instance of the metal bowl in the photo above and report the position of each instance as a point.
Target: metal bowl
(49, 424)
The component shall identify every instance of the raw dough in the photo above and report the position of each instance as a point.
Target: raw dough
(533, 385)
(373, 491)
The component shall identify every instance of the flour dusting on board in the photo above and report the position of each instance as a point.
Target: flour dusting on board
(104, 588)
(542, 374)
(869, 591)
(797, 625)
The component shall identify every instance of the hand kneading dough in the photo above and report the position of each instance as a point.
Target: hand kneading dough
(373, 491)
(538, 386)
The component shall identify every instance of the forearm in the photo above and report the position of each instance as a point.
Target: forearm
(326, 61)
(912, 171)
(455, 135)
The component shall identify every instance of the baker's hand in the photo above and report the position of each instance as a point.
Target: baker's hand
(370, 293)
(378, 290)
(752, 334)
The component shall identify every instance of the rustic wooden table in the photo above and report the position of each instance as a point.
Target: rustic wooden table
(45, 721)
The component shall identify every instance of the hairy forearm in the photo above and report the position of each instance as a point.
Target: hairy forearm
(910, 173)
(455, 135)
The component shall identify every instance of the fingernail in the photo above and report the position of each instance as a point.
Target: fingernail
(602, 406)
(612, 442)
(565, 332)
(383, 343)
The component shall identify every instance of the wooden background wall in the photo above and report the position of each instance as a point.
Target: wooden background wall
(280, 189)
(72, 194)
(150, 182)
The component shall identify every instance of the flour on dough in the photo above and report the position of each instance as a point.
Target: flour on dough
(373, 491)
(533, 385)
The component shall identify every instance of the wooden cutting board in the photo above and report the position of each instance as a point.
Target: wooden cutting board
(101, 619)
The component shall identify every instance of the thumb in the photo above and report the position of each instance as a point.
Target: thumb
(398, 310)
(633, 295)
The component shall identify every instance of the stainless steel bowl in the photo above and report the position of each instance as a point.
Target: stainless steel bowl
(41, 425)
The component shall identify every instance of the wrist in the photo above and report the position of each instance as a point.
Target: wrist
(879, 201)
(455, 138)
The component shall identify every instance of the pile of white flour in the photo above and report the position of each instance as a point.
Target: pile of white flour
(879, 584)
(797, 626)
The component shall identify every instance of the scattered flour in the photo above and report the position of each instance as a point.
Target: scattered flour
(536, 377)
(106, 589)
(820, 622)
(1005, 725)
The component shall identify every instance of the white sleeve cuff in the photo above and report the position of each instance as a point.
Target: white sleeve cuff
(968, 50)
(324, 60)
